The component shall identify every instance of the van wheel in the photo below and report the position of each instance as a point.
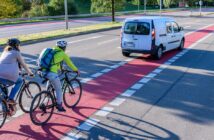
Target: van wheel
(126, 54)
(181, 47)
(159, 52)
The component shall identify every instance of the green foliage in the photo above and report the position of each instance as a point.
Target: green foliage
(101, 6)
(56, 7)
(38, 10)
(10, 8)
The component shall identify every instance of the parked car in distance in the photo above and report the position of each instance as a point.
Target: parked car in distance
(151, 35)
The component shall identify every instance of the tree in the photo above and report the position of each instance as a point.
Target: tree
(10, 8)
(56, 7)
(102, 6)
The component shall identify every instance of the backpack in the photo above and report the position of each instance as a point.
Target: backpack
(46, 58)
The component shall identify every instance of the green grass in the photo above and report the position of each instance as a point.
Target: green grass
(63, 33)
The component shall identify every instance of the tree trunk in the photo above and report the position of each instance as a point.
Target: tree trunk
(113, 11)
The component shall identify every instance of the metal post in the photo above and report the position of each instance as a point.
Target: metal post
(144, 6)
(66, 13)
(138, 5)
(200, 2)
(160, 7)
(113, 11)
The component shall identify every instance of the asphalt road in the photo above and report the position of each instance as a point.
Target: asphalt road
(175, 104)
(30, 28)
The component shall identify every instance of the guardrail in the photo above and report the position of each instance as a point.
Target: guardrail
(82, 15)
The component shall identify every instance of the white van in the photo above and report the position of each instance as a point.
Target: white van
(151, 35)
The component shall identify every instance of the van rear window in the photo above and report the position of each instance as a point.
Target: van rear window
(138, 28)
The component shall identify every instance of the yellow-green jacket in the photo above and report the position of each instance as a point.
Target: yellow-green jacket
(61, 56)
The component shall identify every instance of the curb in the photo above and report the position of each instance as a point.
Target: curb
(63, 36)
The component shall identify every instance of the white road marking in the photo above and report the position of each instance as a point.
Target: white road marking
(163, 66)
(174, 58)
(144, 80)
(114, 66)
(85, 80)
(186, 27)
(157, 70)
(128, 93)
(117, 101)
(137, 86)
(88, 124)
(18, 113)
(85, 39)
(72, 136)
(151, 75)
(130, 59)
(104, 111)
(107, 41)
(122, 63)
(106, 70)
(167, 63)
(96, 75)
(171, 60)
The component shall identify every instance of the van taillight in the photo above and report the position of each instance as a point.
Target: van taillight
(153, 34)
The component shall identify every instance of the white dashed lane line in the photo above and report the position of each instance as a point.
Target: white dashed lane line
(128, 93)
(144, 80)
(104, 111)
(137, 86)
(116, 102)
(88, 124)
(96, 75)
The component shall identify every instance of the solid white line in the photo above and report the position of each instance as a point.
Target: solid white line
(90, 38)
(137, 86)
(88, 124)
(145, 80)
(85, 80)
(116, 102)
(128, 93)
(106, 70)
(163, 66)
(199, 29)
(108, 41)
(151, 75)
(157, 71)
(96, 75)
(104, 111)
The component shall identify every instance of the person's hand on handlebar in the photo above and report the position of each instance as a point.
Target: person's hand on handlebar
(78, 72)
(31, 74)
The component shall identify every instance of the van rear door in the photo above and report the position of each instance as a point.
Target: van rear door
(137, 36)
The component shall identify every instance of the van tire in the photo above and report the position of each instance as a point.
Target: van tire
(181, 47)
(127, 54)
(158, 53)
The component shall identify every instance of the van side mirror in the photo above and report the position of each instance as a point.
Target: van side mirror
(181, 28)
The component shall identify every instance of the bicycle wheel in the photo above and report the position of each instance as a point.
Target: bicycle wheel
(27, 94)
(42, 108)
(3, 113)
(72, 93)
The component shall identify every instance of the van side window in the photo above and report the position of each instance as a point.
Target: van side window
(168, 28)
(138, 28)
(175, 27)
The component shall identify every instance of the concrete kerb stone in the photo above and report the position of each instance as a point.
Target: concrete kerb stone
(64, 36)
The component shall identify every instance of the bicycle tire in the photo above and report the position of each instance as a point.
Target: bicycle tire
(69, 96)
(3, 113)
(42, 107)
(26, 92)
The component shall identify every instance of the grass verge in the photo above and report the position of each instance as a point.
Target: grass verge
(31, 38)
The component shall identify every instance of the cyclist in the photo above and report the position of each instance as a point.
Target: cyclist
(52, 73)
(10, 63)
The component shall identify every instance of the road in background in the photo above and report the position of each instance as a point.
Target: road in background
(30, 28)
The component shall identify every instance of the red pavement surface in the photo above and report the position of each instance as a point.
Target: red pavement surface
(96, 94)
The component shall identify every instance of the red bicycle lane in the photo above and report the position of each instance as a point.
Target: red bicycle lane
(96, 94)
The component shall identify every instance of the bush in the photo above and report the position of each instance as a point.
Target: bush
(56, 7)
(38, 10)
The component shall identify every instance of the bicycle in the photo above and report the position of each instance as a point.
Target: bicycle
(24, 97)
(43, 104)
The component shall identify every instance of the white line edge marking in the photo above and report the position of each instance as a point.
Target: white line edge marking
(90, 38)
(157, 70)
(137, 86)
(85, 80)
(106, 70)
(144, 80)
(128, 93)
(151, 75)
(88, 124)
(72, 136)
(104, 111)
(96, 75)
(108, 41)
(117, 101)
